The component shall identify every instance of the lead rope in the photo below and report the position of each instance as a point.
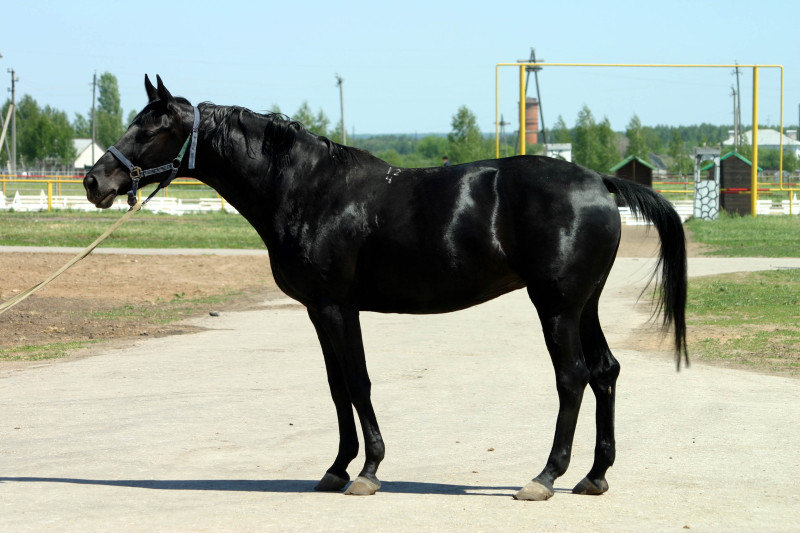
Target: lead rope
(8, 304)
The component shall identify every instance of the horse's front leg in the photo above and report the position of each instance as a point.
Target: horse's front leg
(341, 329)
(336, 478)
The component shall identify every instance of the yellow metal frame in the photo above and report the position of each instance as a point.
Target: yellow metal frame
(754, 171)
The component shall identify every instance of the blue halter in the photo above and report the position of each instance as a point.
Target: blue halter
(136, 173)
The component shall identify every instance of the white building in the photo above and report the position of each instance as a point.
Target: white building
(769, 139)
(559, 151)
(83, 149)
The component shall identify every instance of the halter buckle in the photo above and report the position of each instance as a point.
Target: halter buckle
(136, 173)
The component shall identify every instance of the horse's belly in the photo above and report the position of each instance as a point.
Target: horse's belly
(434, 293)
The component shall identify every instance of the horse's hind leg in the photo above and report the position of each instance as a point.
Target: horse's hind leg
(603, 372)
(562, 335)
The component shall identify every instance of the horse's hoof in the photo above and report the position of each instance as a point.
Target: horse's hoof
(363, 487)
(332, 483)
(534, 492)
(587, 486)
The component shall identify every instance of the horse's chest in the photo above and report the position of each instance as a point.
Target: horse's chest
(312, 279)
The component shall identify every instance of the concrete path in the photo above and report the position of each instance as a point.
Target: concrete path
(229, 429)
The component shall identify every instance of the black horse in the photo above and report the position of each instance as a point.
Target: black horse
(347, 232)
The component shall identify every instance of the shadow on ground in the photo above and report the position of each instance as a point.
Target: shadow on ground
(274, 485)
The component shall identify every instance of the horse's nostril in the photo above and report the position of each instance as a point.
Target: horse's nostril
(89, 182)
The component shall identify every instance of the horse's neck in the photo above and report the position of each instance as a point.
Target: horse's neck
(256, 189)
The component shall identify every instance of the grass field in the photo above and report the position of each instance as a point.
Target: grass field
(145, 230)
(750, 319)
(735, 236)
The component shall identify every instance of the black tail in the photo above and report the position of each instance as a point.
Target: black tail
(671, 303)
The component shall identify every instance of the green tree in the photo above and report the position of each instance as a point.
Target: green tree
(593, 143)
(637, 145)
(44, 136)
(681, 162)
(131, 117)
(335, 134)
(559, 133)
(465, 142)
(314, 123)
(608, 155)
(81, 126)
(585, 144)
(432, 148)
(768, 159)
(108, 116)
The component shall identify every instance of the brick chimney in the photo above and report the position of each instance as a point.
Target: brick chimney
(531, 120)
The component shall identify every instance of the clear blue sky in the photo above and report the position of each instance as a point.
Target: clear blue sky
(408, 66)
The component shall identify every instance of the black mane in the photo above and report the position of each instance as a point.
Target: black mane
(270, 135)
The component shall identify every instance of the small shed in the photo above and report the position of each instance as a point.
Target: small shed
(636, 169)
(734, 178)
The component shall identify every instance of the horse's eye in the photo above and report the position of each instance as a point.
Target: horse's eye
(145, 135)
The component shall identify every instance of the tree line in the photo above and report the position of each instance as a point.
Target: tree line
(44, 137)
(45, 134)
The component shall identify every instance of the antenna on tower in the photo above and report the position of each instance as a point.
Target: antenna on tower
(503, 125)
(535, 71)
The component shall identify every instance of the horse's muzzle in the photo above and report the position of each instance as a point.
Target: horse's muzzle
(100, 199)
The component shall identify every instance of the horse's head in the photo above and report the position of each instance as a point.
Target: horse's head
(152, 140)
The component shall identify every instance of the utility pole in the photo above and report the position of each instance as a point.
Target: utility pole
(738, 120)
(14, 80)
(94, 90)
(339, 81)
(503, 125)
(735, 120)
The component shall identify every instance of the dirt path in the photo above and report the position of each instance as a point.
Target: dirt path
(115, 297)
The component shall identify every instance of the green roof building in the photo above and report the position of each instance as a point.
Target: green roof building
(636, 169)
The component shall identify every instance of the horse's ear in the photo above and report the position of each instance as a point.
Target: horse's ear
(152, 93)
(162, 92)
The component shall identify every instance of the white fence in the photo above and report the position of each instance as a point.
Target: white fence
(158, 204)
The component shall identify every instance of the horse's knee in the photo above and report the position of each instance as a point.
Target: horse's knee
(571, 382)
